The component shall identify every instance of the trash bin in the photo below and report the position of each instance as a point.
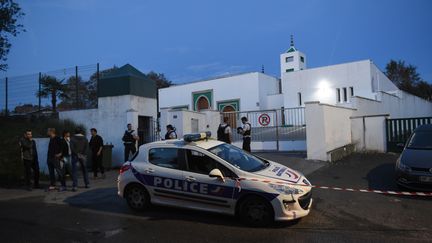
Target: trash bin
(107, 156)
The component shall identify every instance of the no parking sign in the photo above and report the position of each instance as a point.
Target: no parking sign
(264, 119)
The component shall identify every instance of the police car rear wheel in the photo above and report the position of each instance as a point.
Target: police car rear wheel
(256, 211)
(137, 197)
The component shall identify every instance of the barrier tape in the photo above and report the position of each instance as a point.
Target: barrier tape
(384, 192)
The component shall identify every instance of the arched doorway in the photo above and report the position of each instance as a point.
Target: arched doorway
(230, 114)
(202, 103)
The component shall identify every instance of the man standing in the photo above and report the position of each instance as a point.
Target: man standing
(66, 153)
(53, 160)
(171, 132)
(129, 140)
(30, 159)
(246, 132)
(224, 131)
(79, 147)
(96, 146)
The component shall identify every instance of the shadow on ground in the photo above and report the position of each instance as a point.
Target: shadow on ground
(105, 200)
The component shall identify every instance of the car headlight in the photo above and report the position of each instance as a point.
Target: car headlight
(404, 167)
(287, 190)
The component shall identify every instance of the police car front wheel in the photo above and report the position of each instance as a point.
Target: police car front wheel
(137, 197)
(256, 211)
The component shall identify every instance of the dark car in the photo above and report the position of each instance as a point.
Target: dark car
(414, 166)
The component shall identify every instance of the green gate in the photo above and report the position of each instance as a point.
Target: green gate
(398, 131)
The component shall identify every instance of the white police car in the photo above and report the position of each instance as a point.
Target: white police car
(205, 174)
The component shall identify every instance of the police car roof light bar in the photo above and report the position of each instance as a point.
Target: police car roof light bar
(196, 136)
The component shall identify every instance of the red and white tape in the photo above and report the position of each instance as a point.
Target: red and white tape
(423, 194)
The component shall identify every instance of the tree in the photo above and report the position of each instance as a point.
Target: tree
(160, 79)
(85, 93)
(10, 12)
(406, 78)
(53, 88)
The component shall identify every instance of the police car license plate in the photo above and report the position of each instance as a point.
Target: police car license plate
(425, 178)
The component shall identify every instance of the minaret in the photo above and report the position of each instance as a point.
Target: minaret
(292, 60)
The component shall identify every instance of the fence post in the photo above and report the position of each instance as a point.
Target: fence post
(6, 97)
(76, 87)
(277, 131)
(40, 88)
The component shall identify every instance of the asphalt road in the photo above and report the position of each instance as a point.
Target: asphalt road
(98, 215)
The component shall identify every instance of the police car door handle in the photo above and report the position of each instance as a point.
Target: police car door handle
(190, 178)
(148, 171)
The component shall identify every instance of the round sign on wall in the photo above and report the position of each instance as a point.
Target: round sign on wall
(264, 119)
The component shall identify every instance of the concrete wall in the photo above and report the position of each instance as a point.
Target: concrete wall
(245, 87)
(327, 128)
(181, 120)
(42, 149)
(111, 118)
(368, 133)
(320, 84)
(380, 82)
(397, 106)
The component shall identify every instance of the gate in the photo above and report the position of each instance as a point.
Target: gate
(399, 130)
(281, 129)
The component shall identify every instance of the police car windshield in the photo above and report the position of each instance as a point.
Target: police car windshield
(239, 158)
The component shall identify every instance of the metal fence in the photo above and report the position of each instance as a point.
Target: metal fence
(49, 92)
(286, 124)
(399, 130)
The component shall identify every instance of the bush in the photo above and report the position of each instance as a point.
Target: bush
(11, 130)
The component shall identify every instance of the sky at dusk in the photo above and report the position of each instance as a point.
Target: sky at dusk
(191, 40)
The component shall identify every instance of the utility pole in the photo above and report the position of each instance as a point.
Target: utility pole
(6, 96)
(40, 89)
(76, 87)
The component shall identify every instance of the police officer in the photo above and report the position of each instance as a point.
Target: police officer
(224, 131)
(246, 132)
(171, 132)
(129, 140)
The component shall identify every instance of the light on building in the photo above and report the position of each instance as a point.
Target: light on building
(324, 90)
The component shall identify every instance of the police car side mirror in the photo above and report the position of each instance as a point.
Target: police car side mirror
(216, 173)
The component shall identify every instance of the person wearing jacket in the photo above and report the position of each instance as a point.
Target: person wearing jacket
(79, 146)
(130, 138)
(54, 160)
(30, 159)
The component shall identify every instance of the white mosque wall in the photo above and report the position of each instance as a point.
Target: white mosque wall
(111, 118)
(321, 84)
(244, 87)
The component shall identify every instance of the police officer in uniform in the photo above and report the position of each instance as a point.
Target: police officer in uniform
(171, 132)
(129, 140)
(246, 132)
(224, 131)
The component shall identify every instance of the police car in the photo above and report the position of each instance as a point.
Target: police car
(204, 174)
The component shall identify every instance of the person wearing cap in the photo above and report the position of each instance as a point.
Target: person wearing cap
(246, 132)
(171, 132)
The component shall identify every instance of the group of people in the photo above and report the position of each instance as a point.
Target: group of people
(64, 156)
(224, 132)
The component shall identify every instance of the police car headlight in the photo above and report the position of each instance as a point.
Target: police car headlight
(287, 190)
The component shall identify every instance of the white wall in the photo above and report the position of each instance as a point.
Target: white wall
(111, 118)
(181, 120)
(296, 64)
(42, 151)
(406, 105)
(327, 128)
(275, 101)
(368, 133)
(250, 88)
(380, 82)
(319, 84)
